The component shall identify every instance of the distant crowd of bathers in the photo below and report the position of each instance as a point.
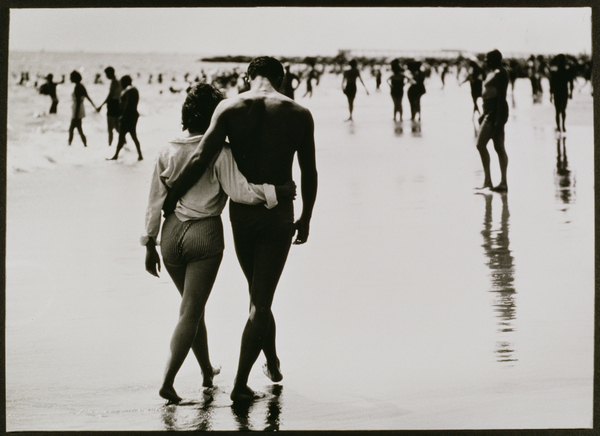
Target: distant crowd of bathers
(560, 71)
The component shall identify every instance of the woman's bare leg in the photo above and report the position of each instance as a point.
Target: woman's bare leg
(190, 330)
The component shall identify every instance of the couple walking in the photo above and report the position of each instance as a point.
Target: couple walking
(194, 175)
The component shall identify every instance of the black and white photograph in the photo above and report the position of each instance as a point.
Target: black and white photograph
(303, 218)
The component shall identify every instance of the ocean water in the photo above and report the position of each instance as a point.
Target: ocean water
(417, 303)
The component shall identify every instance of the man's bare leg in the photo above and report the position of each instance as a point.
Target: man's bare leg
(485, 135)
(271, 367)
(503, 160)
(245, 251)
(268, 259)
(120, 144)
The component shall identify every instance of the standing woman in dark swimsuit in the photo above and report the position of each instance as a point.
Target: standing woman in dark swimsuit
(495, 115)
(416, 90)
(396, 82)
(561, 89)
(349, 85)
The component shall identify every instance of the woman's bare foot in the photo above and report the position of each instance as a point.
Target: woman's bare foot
(502, 187)
(207, 380)
(168, 393)
(273, 373)
(244, 393)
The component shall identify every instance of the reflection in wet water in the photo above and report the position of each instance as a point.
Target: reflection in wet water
(416, 128)
(351, 127)
(190, 415)
(242, 410)
(563, 179)
(263, 414)
(500, 262)
(398, 129)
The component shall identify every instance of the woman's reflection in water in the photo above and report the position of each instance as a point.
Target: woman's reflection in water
(500, 262)
(565, 185)
(199, 415)
(241, 410)
(191, 415)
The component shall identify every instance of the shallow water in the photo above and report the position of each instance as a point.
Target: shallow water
(417, 303)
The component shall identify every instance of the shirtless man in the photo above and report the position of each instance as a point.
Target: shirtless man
(49, 89)
(265, 130)
(112, 104)
(495, 115)
(128, 117)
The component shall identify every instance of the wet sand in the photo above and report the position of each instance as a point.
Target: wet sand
(417, 303)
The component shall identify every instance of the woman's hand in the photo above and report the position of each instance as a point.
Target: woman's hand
(286, 192)
(152, 260)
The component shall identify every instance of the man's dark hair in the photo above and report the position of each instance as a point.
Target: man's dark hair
(110, 71)
(198, 108)
(266, 66)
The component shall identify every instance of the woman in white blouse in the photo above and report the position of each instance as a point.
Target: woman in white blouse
(192, 237)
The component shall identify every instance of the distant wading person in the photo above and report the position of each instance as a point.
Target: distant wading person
(475, 79)
(561, 89)
(129, 116)
(396, 82)
(78, 109)
(495, 115)
(192, 237)
(112, 104)
(312, 75)
(49, 88)
(265, 130)
(416, 89)
(287, 84)
(349, 85)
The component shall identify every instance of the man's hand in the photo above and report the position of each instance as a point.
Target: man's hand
(286, 192)
(302, 229)
(152, 260)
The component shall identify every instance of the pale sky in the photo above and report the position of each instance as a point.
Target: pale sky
(304, 31)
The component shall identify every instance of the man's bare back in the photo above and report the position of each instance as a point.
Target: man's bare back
(265, 129)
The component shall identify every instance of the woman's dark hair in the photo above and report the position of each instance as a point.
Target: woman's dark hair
(75, 77)
(125, 81)
(199, 105)
(353, 63)
(266, 66)
(110, 71)
(395, 66)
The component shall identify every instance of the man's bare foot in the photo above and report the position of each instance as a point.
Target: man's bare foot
(112, 158)
(168, 393)
(244, 393)
(500, 188)
(486, 186)
(207, 381)
(140, 158)
(274, 374)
